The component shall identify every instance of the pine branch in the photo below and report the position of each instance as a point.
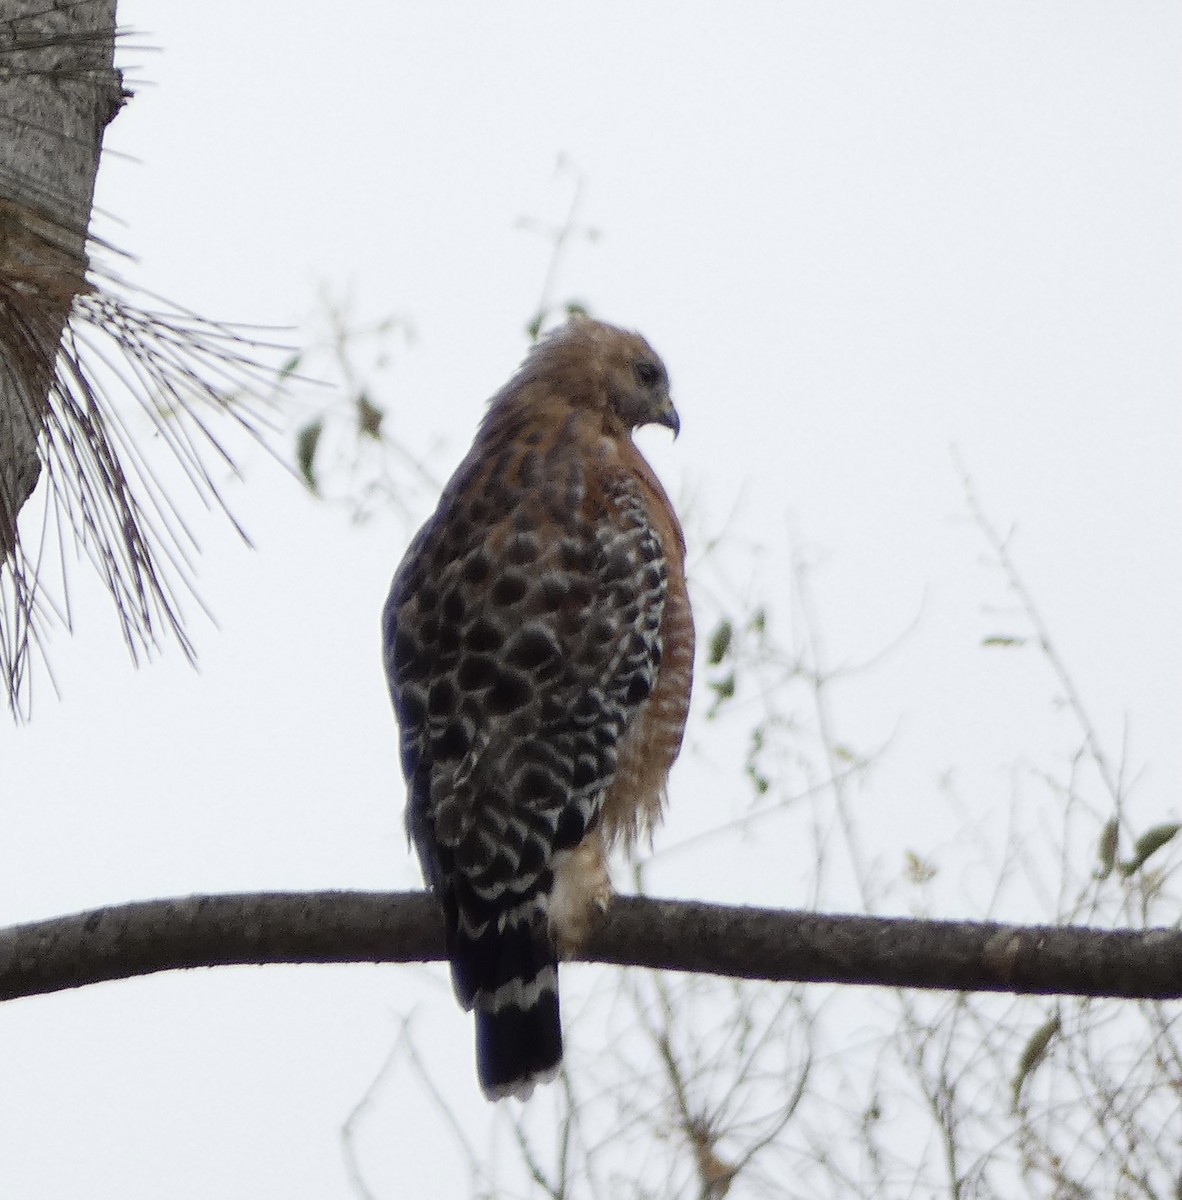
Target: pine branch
(123, 941)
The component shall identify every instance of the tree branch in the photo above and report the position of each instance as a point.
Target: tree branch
(674, 935)
(58, 91)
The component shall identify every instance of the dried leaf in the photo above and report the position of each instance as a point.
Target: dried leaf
(918, 870)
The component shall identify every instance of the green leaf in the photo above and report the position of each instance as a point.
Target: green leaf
(290, 367)
(307, 440)
(1034, 1053)
(720, 642)
(369, 418)
(1109, 844)
(999, 639)
(724, 690)
(1150, 842)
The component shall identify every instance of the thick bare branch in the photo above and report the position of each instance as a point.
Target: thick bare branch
(674, 935)
(58, 91)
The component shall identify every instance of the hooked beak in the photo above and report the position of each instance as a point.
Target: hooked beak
(668, 417)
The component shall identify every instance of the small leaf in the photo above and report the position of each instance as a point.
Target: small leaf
(759, 781)
(918, 870)
(1154, 839)
(306, 442)
(290, 367)
(724, 690)
(1152, 883)
(1109, 844)
(369, 418)
(999, 639)
(720, 642)
(1150, 842)
(1035, 1052)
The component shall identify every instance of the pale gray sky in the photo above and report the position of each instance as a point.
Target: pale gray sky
(859, 235)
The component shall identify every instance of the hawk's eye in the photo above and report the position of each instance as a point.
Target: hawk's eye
(647, 373)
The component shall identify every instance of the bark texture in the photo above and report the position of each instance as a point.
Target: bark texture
(58, 92)
(672, 935)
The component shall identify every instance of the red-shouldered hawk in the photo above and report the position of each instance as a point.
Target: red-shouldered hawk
(539, 650)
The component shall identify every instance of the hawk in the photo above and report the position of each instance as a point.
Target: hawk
(538, 645)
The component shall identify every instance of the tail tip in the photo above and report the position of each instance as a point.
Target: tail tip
(518, 1089)
(518, 1048)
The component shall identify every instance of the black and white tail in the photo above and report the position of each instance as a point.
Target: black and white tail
(506, 970)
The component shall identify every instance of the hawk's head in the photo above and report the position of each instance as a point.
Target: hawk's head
(590, 364)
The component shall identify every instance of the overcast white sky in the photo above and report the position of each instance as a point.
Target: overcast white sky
(859, 235)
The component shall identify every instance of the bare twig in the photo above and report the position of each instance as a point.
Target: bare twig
(1000, 547)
